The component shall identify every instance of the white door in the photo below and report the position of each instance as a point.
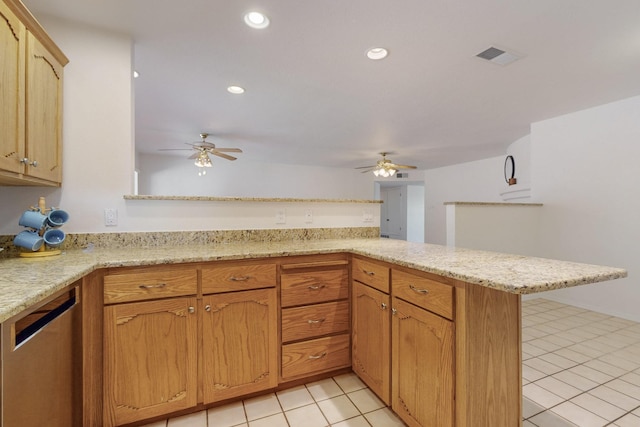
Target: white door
(392, 221)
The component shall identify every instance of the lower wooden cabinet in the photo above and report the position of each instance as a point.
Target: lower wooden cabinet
(371, 355)
(422, 366)
(239, 343)
(150, 359)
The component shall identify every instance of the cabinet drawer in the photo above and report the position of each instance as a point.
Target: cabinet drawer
(314, 320)
(426, 293)
(237, 277)
(371, 273)
(149, 283)
(314, 356)
(314, 286)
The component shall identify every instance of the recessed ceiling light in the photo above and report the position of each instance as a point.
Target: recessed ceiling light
(256, 20)
(236, 90)
(136, 74)
(377, 53)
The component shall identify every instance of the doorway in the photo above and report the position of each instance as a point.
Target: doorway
(402, 210)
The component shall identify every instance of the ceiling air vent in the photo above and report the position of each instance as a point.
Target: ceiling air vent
(498, 56)
(402, 175)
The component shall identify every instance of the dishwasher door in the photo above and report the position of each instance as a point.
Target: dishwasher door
(41, 369)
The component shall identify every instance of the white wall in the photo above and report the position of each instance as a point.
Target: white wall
(501, 228)
(585, 171)
(479, 181)
(99, 161)
(171, 175)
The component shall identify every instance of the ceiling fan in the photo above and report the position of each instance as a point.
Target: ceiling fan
(203, 149)
(385, 167)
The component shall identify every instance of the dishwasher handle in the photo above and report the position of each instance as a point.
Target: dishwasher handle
(30, 328)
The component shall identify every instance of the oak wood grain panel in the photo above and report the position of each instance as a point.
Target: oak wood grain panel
(315, 356)
(314, 320)
(423, 367)
(150, 364)
(12, 77)
(311, 287)
(144, 283)
(92, 349)
(371, 339)
(226, 277)
(424, 292)
(492, 365)
(371, 273)
(240, 340)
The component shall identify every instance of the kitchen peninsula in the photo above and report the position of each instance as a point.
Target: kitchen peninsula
(475, 302)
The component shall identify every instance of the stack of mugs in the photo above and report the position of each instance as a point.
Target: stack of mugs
(42, 228)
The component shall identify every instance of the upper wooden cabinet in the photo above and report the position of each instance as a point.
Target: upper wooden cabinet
(31, 71)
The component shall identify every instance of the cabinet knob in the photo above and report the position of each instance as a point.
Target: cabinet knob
(25, 161)
(369, 273)
(192, 310)
(383, 306)
(207, 308)
(394, 311)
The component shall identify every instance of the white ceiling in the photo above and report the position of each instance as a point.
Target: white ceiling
(312, 97)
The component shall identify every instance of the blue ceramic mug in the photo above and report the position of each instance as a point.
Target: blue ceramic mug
(54, 237)
(57, 217)
(28, 239)
(32, 219)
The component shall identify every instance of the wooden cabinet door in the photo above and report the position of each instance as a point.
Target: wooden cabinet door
(423, 362)
(150, 359)
(371, 335)
(12, 51)
(239, 343)
(44, 113)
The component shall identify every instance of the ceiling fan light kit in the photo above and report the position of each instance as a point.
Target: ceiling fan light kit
(384, 168)
(203, 149)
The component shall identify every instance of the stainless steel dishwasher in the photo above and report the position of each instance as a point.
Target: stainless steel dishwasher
(41, 364)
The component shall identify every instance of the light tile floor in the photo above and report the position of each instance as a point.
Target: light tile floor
(580, 369)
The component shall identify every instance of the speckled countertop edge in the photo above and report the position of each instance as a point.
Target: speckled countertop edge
(247, 199)
(24, 282)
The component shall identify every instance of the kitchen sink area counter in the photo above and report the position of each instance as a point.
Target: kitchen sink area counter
(292, 303)
(24, 282)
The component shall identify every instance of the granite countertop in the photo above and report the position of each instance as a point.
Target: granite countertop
(26, 281)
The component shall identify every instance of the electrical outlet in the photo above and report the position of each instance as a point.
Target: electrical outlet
(308, 216)
(110, 217)
(281, 217)
(367, 215)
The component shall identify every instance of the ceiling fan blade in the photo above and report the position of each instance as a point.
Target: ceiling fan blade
(224, 156)
(366, 167)
(228, 150)
(402, 166)
(193, 156)
(175, 149)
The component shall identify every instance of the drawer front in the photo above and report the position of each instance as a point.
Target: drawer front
(237, 277)
(314, 286)
(434, 296)
(315, 356)
(149, 283)
(371, 273)
(314, 320)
